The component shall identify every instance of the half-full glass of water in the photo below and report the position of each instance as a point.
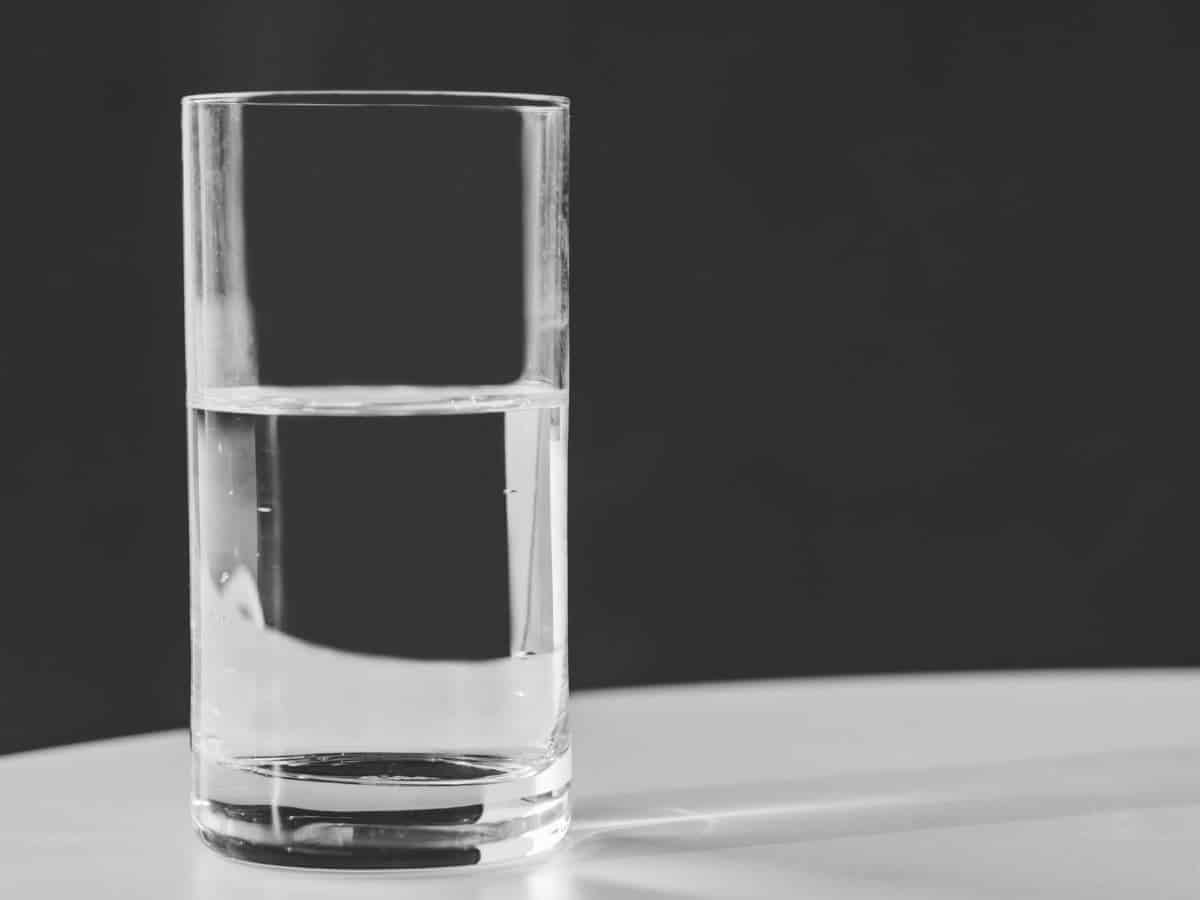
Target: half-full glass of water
(377, 388)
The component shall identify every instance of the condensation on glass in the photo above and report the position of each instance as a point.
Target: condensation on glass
(376, 321)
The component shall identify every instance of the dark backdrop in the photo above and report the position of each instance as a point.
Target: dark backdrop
(878, 345)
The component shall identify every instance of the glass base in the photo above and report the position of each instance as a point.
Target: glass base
(380, 824)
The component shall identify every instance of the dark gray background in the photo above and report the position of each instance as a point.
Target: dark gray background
(879, 357)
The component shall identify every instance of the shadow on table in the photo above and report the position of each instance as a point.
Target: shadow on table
(875, 803)
(623, 847)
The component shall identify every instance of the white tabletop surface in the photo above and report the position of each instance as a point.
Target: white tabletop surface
(1064, 785)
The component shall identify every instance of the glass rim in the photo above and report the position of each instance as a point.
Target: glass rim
(395, 99)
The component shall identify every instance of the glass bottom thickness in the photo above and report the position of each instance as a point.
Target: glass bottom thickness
(386, 820)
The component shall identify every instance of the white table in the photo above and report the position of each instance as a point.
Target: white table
(984, 786)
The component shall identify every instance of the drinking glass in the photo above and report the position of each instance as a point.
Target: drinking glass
(376, 322)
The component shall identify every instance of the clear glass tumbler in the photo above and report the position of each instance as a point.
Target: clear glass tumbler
(376, 296)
